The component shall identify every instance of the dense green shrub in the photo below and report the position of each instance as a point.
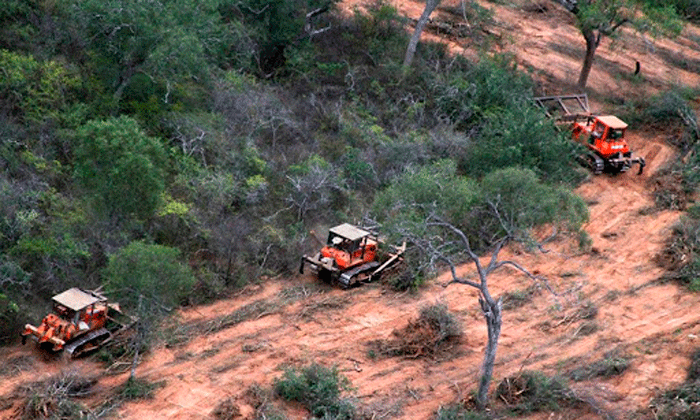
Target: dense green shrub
(522, 136)
(167, 45)
(672, 107)
(35, 90)
(318, 388)
(437, 193)
(472, 92)
(526, 202)
(689, 9)
(154, 272)
(436, 188)
(120, 166)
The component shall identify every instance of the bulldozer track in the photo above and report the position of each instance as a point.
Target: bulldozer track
(100, 336)
(349, 277)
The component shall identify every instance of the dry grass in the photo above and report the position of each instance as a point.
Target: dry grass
(55, 397)
(16, 365)
(529, 392)
(179, 334)
(226, 410)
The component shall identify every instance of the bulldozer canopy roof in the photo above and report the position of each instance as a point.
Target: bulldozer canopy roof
(76, 299)
(349, 232)
(612, 121)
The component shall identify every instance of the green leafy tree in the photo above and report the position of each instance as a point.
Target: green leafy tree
(121, 166)
(522, 136)
(33, 89)
(149, 281)
(470, 93)
(167, 41)
(599, 18)
(276, 24)
(689, 9)
(449, 218)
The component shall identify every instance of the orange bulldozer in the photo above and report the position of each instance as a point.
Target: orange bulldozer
(603, 135)
(81, 321)
(352, 255)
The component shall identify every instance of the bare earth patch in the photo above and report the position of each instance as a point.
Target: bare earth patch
(296, 322)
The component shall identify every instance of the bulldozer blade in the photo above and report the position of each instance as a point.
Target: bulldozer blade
(565, 105)
(394, 257)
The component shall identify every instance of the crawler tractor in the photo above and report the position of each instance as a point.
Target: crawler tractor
(603, 135)
(352, 255)
(81, 321)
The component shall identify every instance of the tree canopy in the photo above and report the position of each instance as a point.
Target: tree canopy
(142, 273)
(121, 166)
(169, 41)
(506, 203)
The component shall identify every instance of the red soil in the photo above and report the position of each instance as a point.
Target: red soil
(656, 325)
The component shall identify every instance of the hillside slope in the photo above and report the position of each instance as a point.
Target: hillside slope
(606, 300)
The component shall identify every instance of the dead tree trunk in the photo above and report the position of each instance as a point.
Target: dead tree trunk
(492, 313)
(430, 5)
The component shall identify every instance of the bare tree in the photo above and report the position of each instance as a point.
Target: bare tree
(449, 218)
(313, 187)
(599, 18)
(430, 5)
(490, 307)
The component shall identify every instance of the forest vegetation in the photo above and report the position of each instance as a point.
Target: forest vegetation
(204, 140)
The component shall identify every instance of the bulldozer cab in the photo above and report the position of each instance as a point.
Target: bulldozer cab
(608, 136)
(80, 322)
(351, 255)
(610, 128)
(603, 135)
(349, 246)
(80, 308)
(347, 237)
